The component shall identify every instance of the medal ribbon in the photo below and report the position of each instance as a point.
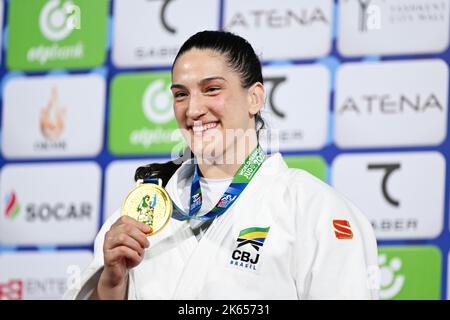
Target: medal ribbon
(238, 184)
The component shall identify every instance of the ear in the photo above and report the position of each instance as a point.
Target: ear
(256, 95)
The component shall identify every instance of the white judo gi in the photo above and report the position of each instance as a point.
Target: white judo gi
(288, 236)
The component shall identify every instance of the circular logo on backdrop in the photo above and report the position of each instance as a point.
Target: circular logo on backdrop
(56, 20)
(391, 281)
(157, 102)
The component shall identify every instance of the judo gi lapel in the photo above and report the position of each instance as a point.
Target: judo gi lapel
(169, 251)
(200, 256)
(183, 236)
(197, 255)
(204, 256)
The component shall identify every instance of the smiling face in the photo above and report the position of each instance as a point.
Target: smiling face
(212, 108)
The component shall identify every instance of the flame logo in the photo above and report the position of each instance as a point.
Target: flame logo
(52, 117)
(12, 206)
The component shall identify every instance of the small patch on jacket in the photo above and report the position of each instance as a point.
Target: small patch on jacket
(247, 251)
(342, 229)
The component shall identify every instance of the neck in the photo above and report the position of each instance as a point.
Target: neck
(227, 166)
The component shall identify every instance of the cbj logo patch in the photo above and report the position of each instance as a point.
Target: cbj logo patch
(248, 248)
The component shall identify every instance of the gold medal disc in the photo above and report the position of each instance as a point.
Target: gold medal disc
(148, 203)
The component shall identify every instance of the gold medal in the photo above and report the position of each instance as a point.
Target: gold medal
(148, 203)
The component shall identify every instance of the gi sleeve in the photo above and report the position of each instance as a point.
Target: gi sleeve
(341, 249)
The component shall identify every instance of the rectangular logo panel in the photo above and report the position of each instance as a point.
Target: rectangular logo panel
(410, 273)
(391, 104)
(402, 194)
(393, 27)
(297, 104)
(289, 29)
(40, 275)
(49, 203)
(48, 34)
(149, 33)
(55, 118)
(142, 120)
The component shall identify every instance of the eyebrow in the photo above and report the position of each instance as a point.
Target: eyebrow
(201, 82)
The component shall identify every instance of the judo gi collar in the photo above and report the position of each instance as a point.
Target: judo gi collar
(240, 180)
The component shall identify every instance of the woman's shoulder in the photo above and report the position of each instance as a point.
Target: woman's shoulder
(296, 182)
(304, 182)
(326, 210)
(314, 195)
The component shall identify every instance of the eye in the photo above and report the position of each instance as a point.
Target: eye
(212, 89)
(179, 95)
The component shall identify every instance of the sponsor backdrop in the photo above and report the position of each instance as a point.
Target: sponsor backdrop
(357, 94)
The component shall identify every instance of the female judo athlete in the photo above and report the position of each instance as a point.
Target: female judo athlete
(244, 226)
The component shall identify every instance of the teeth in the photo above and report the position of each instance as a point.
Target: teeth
(199, 127)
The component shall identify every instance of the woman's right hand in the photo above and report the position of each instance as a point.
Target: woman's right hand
(123, 249)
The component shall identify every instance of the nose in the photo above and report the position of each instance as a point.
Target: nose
(196, 108)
